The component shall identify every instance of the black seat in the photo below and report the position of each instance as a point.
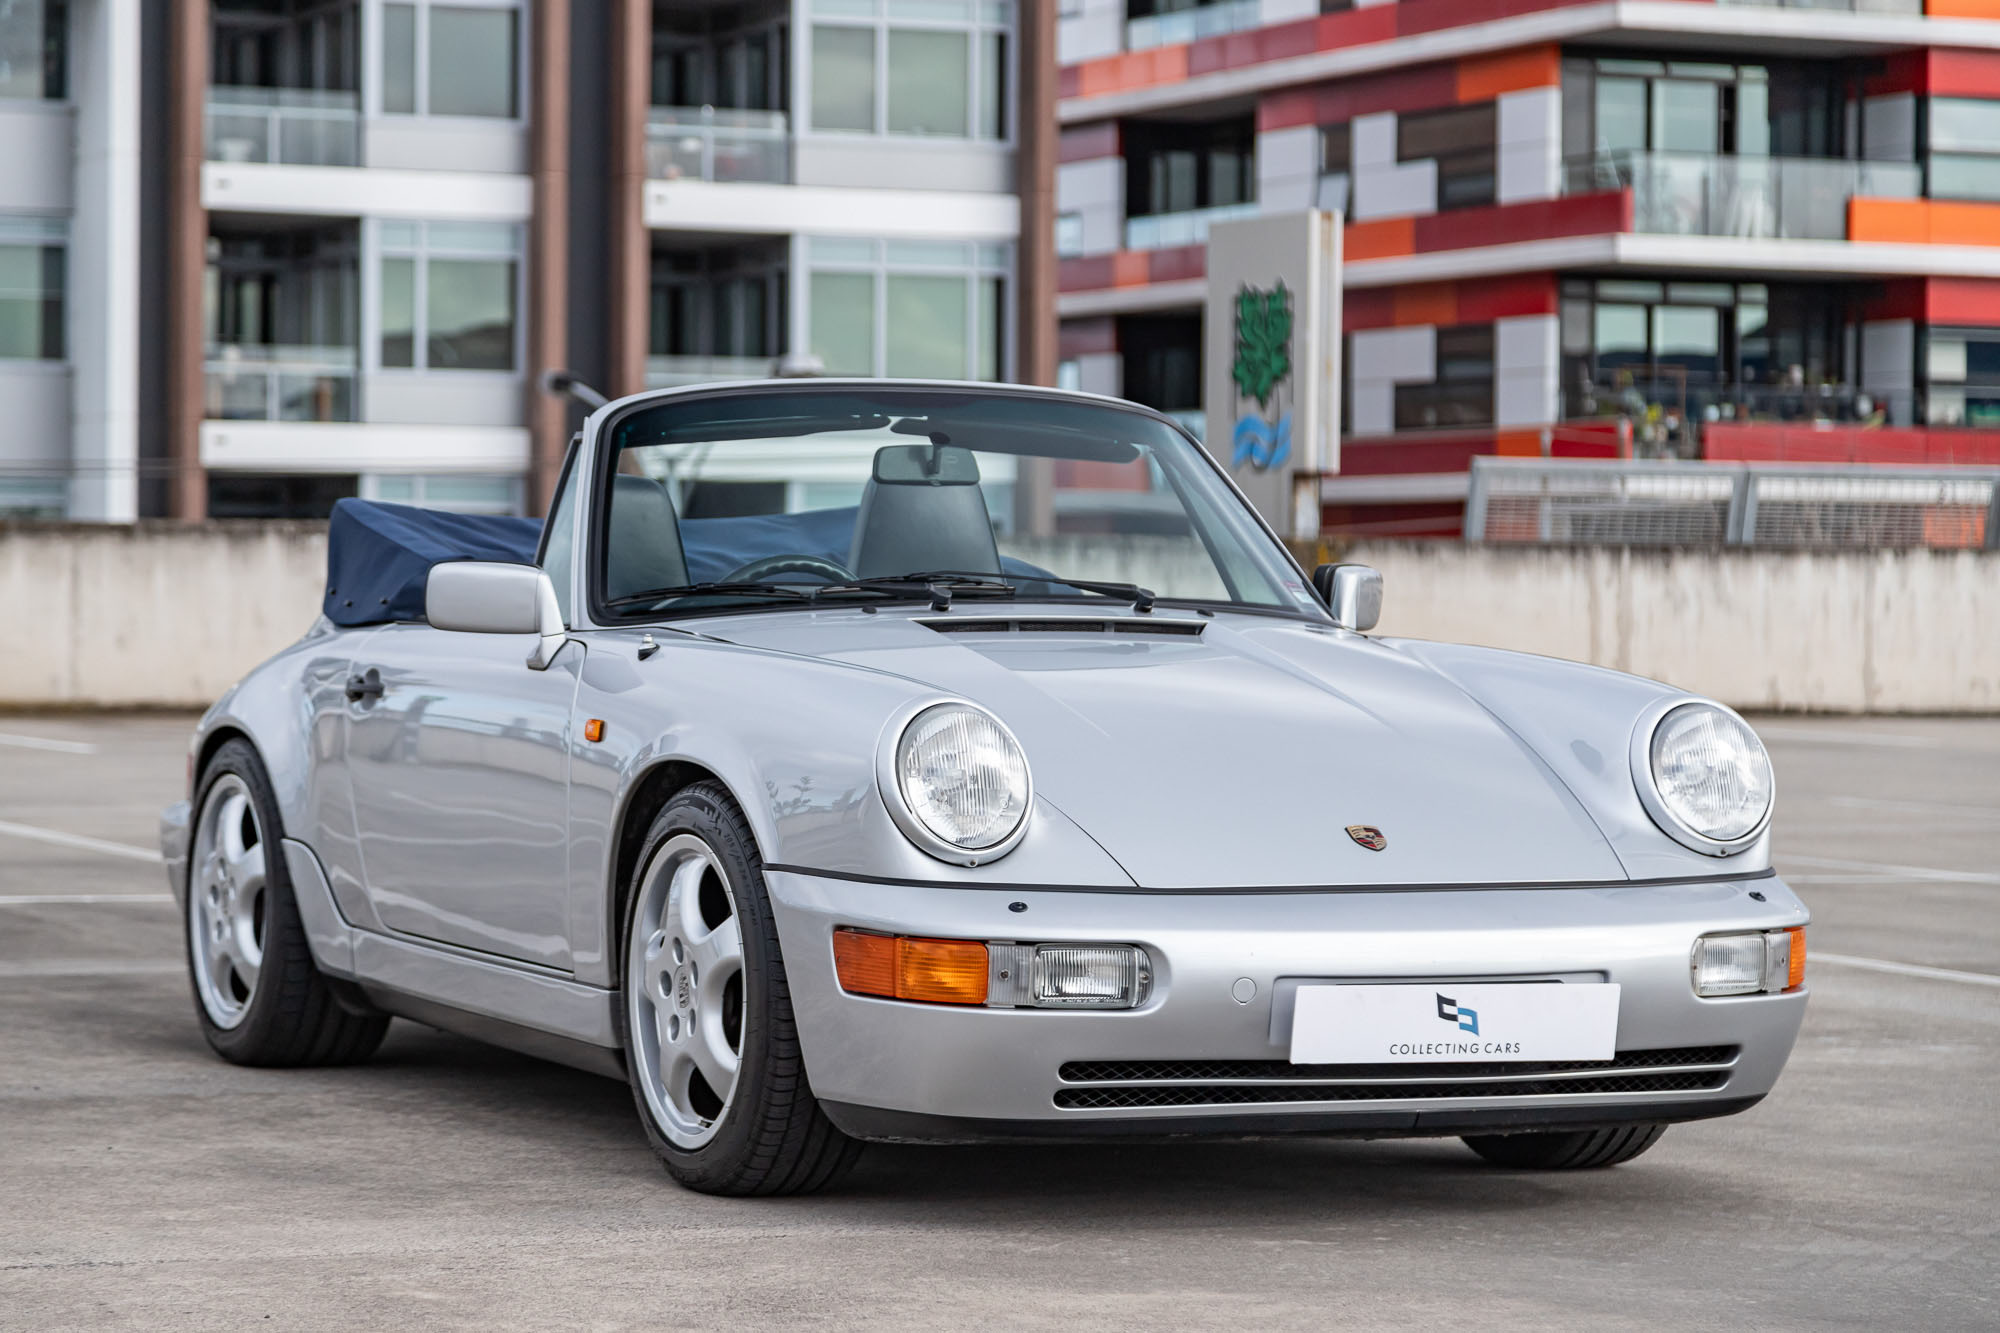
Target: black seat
(923, 509)
(645, 550)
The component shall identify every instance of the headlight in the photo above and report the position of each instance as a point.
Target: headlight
(958, 784)
(1706, 779)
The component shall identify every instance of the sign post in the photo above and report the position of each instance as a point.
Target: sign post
(1272, 377)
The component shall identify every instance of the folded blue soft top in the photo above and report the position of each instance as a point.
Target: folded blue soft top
(378, 555)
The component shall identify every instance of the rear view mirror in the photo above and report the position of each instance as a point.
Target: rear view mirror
(925, 465)
(1352, 592)
(480, 597)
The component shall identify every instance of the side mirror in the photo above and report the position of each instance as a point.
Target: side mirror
(1352, 592)
(479, 597)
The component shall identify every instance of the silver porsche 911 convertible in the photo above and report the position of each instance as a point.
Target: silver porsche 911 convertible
(848, 761)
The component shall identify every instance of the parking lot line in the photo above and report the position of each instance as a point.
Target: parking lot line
(1904, 969)
(44, 743)
(48, 899)
(91, 967)
(1896, 871)
(79, 841)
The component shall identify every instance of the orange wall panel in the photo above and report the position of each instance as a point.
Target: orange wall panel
(1381, 239)
(1923, 221)
(1962, 9)
(1518, 443)
(1483, 77)
(1425, 303)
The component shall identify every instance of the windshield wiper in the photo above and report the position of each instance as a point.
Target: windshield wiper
(696, 589)
(1142, 599)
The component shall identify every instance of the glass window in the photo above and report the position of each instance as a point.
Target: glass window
(989, 327)
(399, 59)
(1463, 142)
(559, 535)
(1686, 116)
(399, 313)
(928, 77)
(1965, 124)
(31, 302)
(1621, 335)
(843, 78)
(1173, 168)
(1621, 115)
(1462, 393)
(474, 62)
(993, 85)
(1689, 337)
(926, 327)
(843, 322)
(33, 47)
(469, 314)
(929, 506)
(1955, 176)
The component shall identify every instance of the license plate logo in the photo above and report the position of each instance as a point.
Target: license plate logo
(1402, 1024)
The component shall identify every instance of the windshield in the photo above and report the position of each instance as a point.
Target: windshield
(817, 494)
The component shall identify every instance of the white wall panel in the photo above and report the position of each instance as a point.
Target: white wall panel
(1381, 359)
(1288, 168)
(1097, 29)
(1101, 372)
(1095, 191)
(1530, 142)
(1526, 370)
(35, 151)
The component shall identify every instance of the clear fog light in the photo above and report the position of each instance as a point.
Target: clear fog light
(1760, 962)
(1068, 976)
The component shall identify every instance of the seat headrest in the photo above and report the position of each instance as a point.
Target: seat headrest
(923, 509)
(645, 548)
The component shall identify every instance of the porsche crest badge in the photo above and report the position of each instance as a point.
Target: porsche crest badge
(1368, 836)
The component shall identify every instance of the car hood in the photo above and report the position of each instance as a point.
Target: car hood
(1238, 757)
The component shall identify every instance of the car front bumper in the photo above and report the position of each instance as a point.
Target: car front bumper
(1197, 1058)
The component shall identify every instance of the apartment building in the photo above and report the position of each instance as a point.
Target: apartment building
(1739, 230)
(256, 255)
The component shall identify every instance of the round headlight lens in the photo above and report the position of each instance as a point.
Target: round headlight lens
(962, 776)
(1711, 772)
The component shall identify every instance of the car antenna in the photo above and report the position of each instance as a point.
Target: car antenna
(564, 383)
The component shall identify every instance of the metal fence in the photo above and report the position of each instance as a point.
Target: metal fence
(1534, 500)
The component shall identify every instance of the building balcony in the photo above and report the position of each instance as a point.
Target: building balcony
(1700, 194)
(294, 126)
(1164, 231)
(1187, 25)
(261, 383)
(718, 144)
(671, 372)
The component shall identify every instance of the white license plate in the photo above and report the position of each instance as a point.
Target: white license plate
(1424, 1024)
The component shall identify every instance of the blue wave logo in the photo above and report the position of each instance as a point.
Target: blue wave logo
(1259, 443)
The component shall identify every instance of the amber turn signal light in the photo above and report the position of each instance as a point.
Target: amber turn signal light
(593, 730)
(1795, 976)
(897, 967)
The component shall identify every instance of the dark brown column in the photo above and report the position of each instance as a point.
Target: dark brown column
(548, 250)
(1035, 165)
(629, 81)
(187, 257)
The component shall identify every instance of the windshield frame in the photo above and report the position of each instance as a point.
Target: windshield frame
(603, 460)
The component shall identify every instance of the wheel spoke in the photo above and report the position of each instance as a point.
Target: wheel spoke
(710, 1049)
(247, 869)
(719, 951)
(684, 900)
(229, 827)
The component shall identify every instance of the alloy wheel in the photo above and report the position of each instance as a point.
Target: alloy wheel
(227, 901)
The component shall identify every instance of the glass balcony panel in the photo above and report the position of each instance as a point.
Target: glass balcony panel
(296, 126)
(717, 144)
(1699, 194)
(1159, 231)
(1838, 6)
(252, 383)
(1187, 25)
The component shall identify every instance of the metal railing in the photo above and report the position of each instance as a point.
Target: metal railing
(297, 126)
(1159, 231)
(1533, 500)
(1187, 25)
(1705, 194)
(670, 372)
(250, 383)
(717, 144)
(1668, 412)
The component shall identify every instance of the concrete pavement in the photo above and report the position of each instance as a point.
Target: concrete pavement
(447, 1184)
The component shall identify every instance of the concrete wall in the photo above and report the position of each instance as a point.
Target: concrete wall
(162, 615)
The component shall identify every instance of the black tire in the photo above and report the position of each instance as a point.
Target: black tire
(1568, 1150)
(772, 1138)
(293, 1017)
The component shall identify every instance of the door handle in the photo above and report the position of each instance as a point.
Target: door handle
(365, 685)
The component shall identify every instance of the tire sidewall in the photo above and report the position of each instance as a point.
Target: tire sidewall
(280, 912)
(702, 814)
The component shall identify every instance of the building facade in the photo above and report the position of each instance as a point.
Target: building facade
(1733, 230)
(256, 255)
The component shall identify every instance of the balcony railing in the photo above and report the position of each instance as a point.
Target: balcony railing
(1159, 231)
(298, 126)
(717, 144)
(669, 372)
(1668, 412)
(250, 383)
(1186, 25)
(1702, 194)
(1838, 6)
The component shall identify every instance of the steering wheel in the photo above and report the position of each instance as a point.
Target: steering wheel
(764, 567)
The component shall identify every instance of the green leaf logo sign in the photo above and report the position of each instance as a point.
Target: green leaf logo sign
(1263, 342)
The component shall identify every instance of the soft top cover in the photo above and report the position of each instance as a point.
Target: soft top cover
(378, 555)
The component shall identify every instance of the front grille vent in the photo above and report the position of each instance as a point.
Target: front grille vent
(1130, 1084)
(1181, 629)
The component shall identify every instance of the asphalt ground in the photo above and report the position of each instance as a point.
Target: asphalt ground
(144, 1182)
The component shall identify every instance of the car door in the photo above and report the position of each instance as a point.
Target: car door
(460, 774)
